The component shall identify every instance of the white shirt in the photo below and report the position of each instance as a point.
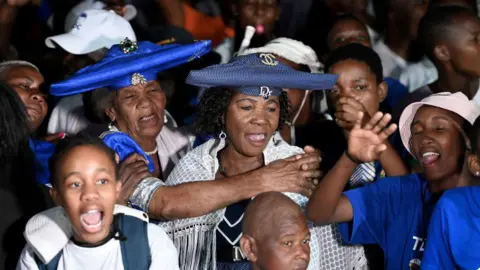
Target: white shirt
(412, 75)
(108, 256)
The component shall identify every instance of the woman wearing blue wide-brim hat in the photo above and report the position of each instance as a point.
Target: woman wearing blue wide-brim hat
(243, 107)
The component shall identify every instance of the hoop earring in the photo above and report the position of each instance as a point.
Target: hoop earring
(222, 135)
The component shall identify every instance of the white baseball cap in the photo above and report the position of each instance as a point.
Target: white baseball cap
(75, 12)
(94, 29)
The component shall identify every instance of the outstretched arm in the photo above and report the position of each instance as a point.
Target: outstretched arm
(328, 204)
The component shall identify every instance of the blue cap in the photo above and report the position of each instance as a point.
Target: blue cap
(259, 75)
(130, 64)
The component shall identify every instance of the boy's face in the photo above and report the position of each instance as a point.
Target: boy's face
(261, 14)
(87, 189)
(286, 247)
(464, 44)
(355, 80)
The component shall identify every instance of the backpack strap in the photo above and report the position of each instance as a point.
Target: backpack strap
(134, 245)
(51, 265)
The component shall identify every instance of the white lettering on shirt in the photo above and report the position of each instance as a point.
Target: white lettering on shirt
(419, 244)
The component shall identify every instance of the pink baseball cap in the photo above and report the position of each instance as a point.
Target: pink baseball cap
(454, 102)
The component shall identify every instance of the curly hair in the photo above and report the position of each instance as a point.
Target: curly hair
(213, 105)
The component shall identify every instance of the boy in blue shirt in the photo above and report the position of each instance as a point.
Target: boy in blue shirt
(454, 230)
(394, 212)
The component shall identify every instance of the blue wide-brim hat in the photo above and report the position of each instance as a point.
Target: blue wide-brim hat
(259, 75)
(129, 64)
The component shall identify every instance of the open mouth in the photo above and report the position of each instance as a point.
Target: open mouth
(92, 220)
(430, 158)
(256, 139)
(147, 118)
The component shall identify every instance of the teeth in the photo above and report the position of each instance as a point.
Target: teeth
(93, 211)
(257, 137)
(147, 117)
(430, 154)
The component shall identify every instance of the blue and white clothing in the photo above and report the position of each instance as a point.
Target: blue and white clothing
(454, 231)
(196, 238)
(392, 212)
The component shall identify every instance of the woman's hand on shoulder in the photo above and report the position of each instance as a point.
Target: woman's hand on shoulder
(131, 172)
(365, 144)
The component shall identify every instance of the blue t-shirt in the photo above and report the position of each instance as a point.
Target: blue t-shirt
(454, 231)
(392, 212)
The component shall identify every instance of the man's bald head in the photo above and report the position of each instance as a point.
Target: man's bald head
(270, 210)
(275, 233)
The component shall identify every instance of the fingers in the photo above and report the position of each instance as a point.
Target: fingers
(306, 159)
(134, 157)
(387, 132)
(358, 121)
(382, 123)
(310, 149)
(311, 174)
(373, 121)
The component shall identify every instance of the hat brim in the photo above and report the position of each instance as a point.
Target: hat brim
(116, 66)
(236, 76)
(72, 44)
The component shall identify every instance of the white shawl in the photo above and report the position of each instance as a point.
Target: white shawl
(195, 238)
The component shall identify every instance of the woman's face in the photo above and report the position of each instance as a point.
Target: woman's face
(250, 122)
(355, 80)
(437, 142)
(27, 82)
(346, 32)
(261, 14)
(139, 110)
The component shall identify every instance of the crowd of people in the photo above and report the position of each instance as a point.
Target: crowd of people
(239, 134)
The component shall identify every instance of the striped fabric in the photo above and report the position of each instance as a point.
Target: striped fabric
(365, 173)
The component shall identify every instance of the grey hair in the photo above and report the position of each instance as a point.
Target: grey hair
(6, 66)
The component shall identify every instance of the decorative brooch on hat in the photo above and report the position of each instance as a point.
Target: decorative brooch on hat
(138, 78)
(128, 46)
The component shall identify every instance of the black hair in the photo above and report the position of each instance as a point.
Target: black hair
(433, 27)
(213, 106)
(17, 163)
(473, 135)
(358, 53)
(14, 133)
(342, 18)
(68, 144)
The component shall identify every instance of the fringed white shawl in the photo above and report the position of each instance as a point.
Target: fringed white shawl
(195, 238)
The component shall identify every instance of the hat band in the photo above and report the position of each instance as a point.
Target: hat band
(133, 79)
(262, 91)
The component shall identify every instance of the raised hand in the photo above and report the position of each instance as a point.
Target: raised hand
(367, 143)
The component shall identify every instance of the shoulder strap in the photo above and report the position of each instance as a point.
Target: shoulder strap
(52, 265)
(135, 247)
